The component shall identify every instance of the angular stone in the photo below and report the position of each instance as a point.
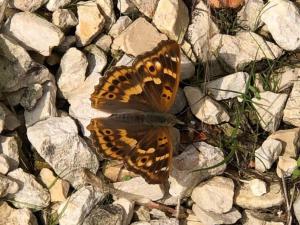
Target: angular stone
(204, 108)
(4, 164)
(10, 120)
(31, 95)
(12, 216)
(107, 8)
(7, 186)
(10, 146)
(187, 67)
(184, 178)
(53, 5)
(172, 18)
(249, 14)
(147, 7)
(214, 195)
(258, 187)
(133, 43)
(292, 108)
(239, 50)
(211, 218)
(74, 210)
(285, 167)
(91, 22)
(289, 139)
(249, 219)
(73, 67)
(96, 59)
(51, 138)
(126, 7)
(230, 86)
(282, 18)
(128, 207)
(245, 198)
(104, 42)
(270, 109)
(45, 107)
(122, 23)
(26, 5)
(197, 35)
(58, 188)
(267, 154)
(31, 194)
(139, 186)
(64, 19)
(39, 35)
(66, 44)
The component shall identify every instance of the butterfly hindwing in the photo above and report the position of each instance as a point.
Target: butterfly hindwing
(149, 85)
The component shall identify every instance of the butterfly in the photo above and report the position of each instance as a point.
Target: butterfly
(139, 131)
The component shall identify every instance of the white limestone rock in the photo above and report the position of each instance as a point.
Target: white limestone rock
(4, 164)
(121, 24)
(73, 67)
(104, 42)
(45, 107)
(90, 22)
(267, 154)
(133, 43)
(212, 218)
(26, 5)
(292, 108)
(57, 187)
(56, 139)
(249, 218)
(147, 7)
(7, 186)
(204, 108)
(74, 210)
(126, 7)
(247, 200)
(10, 120)
(107, 8)
(214, 195)
(64, 19)
(239, 50)
(9, 146)
(128, 207)
(290, 140)
(230, 86)
(285, 166)
(270, 109)
(258, 187)
(12, 216)
(96, 58)
(34, 32)
(249, 15)
(139, 186)
(80, 104)
(282, 18)
(197, 35)
(172, 18)
(53, 5)
(31, 194)
(183, 178)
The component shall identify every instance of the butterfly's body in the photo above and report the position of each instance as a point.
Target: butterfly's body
(151, 119)
(142, 139)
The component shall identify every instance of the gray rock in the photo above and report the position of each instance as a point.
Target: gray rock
(292, 109)
(126, 7)
(45, 107)
(180, 102)
(10, 121)
(56, 139)
(39, 35)
(12, 216)
(121, 24)
(64, 19)
(80, 204)
(96, 59)
(10, 146)
(196, 156)
(31, 194)
(106, 215)
(4, 164)
(7, 186)
(187, 67)
(282, 18)
(31, 95)
(239, 50)
(67, 43)
(128, 208)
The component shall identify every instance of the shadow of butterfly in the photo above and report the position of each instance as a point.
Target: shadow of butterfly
(139, 131)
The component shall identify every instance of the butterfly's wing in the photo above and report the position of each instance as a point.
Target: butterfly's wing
(149, 85)
(145, 150)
